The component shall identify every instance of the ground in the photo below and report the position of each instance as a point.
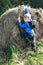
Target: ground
(14, 57)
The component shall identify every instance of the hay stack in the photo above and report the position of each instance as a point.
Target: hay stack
(9, 29)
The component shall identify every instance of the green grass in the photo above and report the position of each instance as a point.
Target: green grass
(31, 58)
(36, 58)
(11, 56)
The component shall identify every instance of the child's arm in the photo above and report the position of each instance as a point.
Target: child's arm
(19, 11)
(19, 22)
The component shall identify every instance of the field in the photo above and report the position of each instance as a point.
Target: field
(14, 57)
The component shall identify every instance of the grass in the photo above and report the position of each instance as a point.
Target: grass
(11, 56)
(36, 58)
(31, 58)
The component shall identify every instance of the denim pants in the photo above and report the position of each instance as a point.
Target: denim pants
(27, 37)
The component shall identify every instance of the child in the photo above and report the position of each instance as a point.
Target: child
(28, 27)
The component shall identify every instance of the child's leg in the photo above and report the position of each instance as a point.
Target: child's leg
(33, 44)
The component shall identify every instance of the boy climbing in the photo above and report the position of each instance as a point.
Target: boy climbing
(28, 28)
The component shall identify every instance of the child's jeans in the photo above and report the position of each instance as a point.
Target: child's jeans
(29, 38)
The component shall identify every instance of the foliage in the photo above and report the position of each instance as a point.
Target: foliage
(31, 58)
(6, 4)
(36, 58)
(10, 55)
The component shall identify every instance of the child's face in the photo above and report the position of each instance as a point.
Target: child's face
(26, 18)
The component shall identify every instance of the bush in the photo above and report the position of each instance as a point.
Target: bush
(6, 4)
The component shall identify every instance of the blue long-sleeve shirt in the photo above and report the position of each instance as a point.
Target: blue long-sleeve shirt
(26, 27)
